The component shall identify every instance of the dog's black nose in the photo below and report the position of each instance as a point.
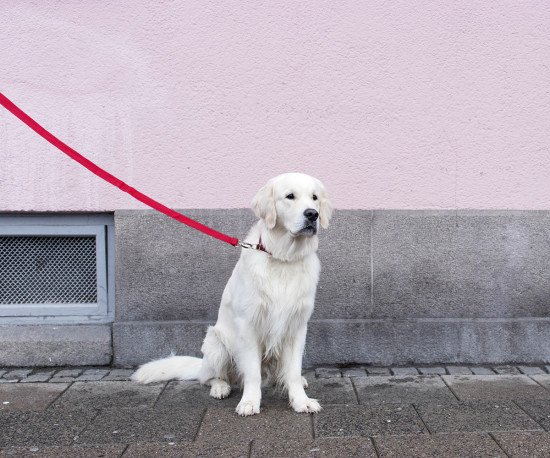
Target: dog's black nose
(311, 214)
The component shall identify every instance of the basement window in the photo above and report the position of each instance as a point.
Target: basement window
(56, 268)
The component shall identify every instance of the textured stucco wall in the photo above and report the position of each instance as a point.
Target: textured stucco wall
(400, 104)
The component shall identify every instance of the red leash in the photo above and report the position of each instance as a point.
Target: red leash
(6, 103)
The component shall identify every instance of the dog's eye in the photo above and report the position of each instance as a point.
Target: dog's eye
(314, 197)
(290, 197)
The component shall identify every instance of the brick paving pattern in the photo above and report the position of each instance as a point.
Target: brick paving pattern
(367, 411)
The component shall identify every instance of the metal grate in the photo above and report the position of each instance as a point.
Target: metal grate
(48, 269)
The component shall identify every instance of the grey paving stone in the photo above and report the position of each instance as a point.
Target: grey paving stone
(531, 370)
(506, 370)
(482, 370)
(538, 409)
(402, 371)
(332, 391)
(547, 369)
(488, 387)
(96, 372)
(439, 445)
(327, 372)
(543, 380)
(73, 451)
(115, 378)
(89, 378)
(69, 373)
(378, 370)
(432, 370)
(459, 370)
(119, 375)
(271, 397)
(363, 421)
(50, 427)
(35, 378)
(276, 399)
(2, 372)
(135, 424)
(3, 380)
(17, 374)
(524, 444)
(354, 372)
(402, 390)
(271, 424)
(49, 372)
(166, 450)
(99, 395)
(186, 450)
(122, 372)
(28, 397)
(62, 380)
(194, 395)
(323, 447)
(472, 417)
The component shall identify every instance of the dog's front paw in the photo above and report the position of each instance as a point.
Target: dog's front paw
(306, 405)
(248, 407)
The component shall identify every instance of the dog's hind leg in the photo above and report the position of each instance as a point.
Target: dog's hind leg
(219, 388)
(215, 365)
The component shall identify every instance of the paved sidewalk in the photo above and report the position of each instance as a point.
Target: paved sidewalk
(414, 411)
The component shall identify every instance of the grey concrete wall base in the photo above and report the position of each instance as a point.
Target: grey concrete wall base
(386, 342)
(55, 345)
(140, 341)
(428, 341)
(396, 287)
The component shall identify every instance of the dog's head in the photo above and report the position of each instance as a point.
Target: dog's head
(295, 202)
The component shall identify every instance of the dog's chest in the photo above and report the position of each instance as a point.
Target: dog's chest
(286, 294)
(288, 284)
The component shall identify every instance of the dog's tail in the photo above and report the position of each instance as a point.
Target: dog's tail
(173, 367)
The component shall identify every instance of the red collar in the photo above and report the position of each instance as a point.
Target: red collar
(261, 247)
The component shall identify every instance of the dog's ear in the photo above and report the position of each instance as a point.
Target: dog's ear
(263, 205)
(325, 208)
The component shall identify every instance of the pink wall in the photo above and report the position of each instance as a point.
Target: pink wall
(404, 104)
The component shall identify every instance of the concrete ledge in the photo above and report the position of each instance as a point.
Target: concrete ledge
(55, 345)
(428, 341)
(383, 342)
(137, 342)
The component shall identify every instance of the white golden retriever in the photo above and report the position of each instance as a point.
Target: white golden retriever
(266, 304)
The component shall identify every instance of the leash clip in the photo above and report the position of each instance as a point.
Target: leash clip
(247, 245)
(259, 246)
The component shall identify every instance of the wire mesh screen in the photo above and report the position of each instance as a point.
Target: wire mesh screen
(48, 269)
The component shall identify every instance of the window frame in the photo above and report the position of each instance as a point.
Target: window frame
(100, 226)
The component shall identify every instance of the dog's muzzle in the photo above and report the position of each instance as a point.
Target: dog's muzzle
(310, 222)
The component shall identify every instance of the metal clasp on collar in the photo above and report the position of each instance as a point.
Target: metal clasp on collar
(259, 246)
(248, 245)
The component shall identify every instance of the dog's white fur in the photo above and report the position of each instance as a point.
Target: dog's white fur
(266, 304)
